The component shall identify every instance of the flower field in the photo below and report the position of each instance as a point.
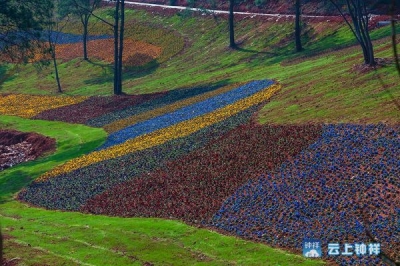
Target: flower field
(28, 106)
(190, 112)
(170, 98)
(72, 190)
(194, 187)
(197, 156)
(136, 53)
(69, 46)
(343, 187)
(93, 107)
(162, 135)
(123, 123)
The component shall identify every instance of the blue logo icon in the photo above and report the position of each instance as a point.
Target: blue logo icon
(312, 248)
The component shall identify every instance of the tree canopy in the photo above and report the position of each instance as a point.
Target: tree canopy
(21, 23)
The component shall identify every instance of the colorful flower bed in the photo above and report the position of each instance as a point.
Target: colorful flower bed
(122, 123)
(194, 187)
(342, 188)
(60, 39)
(70, 191)
(67, 38)
(93, 107)
(136, 53)
(162, 135)
(171, 97)
(30, 105)
(186, 113)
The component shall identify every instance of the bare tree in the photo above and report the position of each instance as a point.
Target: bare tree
(55, 25)
(84, 10)
(297, 27)
(358, 12)
(119, 26)
(232, 43)
(394, 42)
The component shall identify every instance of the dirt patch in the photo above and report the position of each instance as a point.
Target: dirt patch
(365, 68)
(17, 147)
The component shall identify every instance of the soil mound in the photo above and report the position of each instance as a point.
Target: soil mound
(17, 147)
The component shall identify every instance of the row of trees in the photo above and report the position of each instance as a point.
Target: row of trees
(23, 24)
(355, 13)
(32, 25)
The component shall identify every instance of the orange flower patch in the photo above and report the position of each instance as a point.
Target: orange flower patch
(136, 53)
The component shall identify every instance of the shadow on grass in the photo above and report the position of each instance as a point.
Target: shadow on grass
(131, 69)
(7, 73)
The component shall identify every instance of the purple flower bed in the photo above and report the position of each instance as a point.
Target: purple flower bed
(185, 113)
(169, 98)
(66, 38)
(343, 188)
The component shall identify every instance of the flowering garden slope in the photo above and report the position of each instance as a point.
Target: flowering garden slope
(93, 107)
(205, 163)
(162, 135)
(345, 187)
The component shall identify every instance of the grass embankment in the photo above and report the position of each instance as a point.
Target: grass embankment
(72, 141)
(318, 84)
(75, 239)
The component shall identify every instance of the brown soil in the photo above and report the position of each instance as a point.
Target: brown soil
(17, 147)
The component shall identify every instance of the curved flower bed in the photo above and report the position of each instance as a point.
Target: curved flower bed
(136, 53)
(72, 190)
(67, 38)
(28, 106)
(194, 187)
(186, 113)
(162, 135)
(125, 122)
(171, 97)
(93, 107)
(343, 188)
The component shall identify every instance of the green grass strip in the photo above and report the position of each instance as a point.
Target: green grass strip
(72, 141)
(77, 238)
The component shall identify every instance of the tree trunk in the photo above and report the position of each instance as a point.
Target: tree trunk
(358, 12)
(299, 47)
(121, 46)
(232, 43)
(394, 42)
(116, 48)
(53, 55)
(85, 24)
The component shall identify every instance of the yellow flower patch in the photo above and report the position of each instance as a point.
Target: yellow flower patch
(163, 135)
(120, 124)
(27, 106)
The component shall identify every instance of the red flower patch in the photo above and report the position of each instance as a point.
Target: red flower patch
(93, 107)
(136, 53)
(194, 187)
